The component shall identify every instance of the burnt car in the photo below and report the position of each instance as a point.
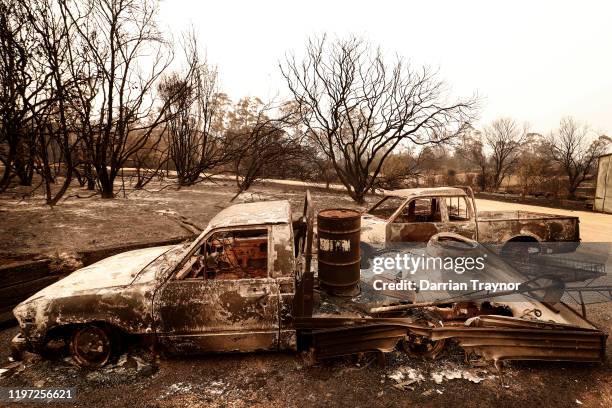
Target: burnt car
(417, 214)
(224, 291)
(246, 284)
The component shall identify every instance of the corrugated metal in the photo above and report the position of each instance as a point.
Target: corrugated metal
(494, 337)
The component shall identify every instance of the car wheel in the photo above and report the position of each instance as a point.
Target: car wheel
(422, 346)
(91, 346)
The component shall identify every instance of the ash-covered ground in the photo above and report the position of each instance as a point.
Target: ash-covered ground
(140, 379)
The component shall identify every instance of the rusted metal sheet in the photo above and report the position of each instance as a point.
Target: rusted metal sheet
(340, 336)
(263, 212)
(337, 336)
(338, 233)
(346, 341)
(502, 343)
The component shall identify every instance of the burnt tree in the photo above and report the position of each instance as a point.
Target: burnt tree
(261, 139)
(196, 141)
(504, 137)
(471, 150)
(113, 37)
(575, 151)
(55, 121)
(20, 87)
(359, 108)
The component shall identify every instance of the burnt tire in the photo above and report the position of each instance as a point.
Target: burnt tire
(421, 346)
(93, 346)
(54, 348)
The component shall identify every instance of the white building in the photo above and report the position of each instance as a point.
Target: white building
(603, 190)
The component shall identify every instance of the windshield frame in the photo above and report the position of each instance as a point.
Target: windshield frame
(381, 201)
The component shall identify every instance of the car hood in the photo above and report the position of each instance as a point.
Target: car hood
(118, 270)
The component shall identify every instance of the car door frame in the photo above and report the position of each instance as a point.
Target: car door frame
(394, 233)
(219, 298)
(467, 228)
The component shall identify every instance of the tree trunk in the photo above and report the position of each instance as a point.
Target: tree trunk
(80, 178)
(358, 196)
(107, 192)
(236, 196)
(21, 169)
(4, 182)
(106, 186)
(62, 190)
(571, 191)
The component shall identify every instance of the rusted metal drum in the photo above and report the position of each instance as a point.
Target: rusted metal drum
(338, 233)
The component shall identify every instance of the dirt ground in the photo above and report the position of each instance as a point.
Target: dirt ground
(27, 226)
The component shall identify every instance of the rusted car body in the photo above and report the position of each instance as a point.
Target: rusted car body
(246, 284)
(415, 215)
(185, 295)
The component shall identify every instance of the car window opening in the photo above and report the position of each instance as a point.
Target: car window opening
(457, 209)
(420, 210)
(386, 207)
(229, 255)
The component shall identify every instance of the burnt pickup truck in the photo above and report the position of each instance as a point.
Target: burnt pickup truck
(416, 214)
(246, 284)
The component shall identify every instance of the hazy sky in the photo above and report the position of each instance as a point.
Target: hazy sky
(535, 61)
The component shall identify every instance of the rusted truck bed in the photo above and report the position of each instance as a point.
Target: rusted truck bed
(504, 226)
(518, 215)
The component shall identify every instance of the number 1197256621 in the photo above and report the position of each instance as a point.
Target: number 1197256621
(36, 394)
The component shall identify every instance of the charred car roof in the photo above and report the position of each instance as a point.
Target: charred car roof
(431, 191)
(263, 212)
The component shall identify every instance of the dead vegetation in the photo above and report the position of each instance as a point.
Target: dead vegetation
(81, 102)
